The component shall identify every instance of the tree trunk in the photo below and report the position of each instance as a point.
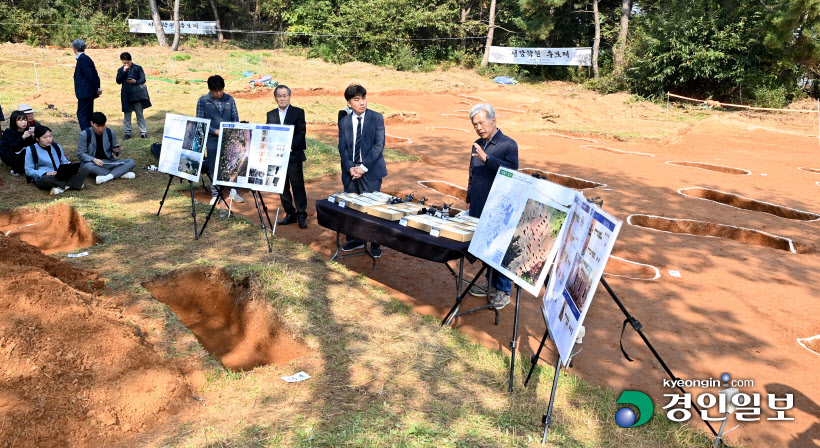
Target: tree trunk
(177, 31)
(466, 6)
(157, 24)
(486, 58)
(620, 46)
(596, 44)
(216, 18)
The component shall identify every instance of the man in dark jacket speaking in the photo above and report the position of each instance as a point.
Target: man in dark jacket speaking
(287, 113)
(491, 151)
(134, 94)
(86, 84)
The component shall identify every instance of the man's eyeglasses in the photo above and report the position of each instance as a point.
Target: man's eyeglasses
(282, 96)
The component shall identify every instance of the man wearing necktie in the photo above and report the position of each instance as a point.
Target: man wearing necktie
(361, 149)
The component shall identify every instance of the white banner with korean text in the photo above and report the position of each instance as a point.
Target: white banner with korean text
(185, 27)
(580, 56)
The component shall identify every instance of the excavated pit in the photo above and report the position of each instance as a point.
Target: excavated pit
(703, 228)
(617, 151)
(619, 267)
(810, 170)
(58, 228)
(745, 203)
(811, 344)
(560, 179)
(227, 317)
(446, 188)
(710, 167)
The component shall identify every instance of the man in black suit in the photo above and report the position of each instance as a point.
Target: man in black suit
(295, 178)
(86, 84)
(361, 149)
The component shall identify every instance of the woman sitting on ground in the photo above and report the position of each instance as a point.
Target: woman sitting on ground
(16, 138)
(43, 160)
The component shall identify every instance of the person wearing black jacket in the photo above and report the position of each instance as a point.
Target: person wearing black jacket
(16, 138)
(295, 178)
(134, 94)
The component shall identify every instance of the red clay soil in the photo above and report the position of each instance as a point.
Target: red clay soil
(14, 252)
(58, 228)
(221, 313)
(72, 373)
(813, 345)
(736, 308)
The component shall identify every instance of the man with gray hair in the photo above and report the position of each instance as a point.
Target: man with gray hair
(86, 84)
(491, 151)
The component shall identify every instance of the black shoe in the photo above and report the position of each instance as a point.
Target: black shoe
(352, 245)
(143, 135)
(302, 223)
(375, 250)
(127, 137)
(289, 219)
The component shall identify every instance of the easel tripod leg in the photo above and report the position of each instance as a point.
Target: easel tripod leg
(548, 417)
(265, 207)
(514, 342)
(193, 210)
(261, 219)
(170, 178)
(219, 189)
(537, 356)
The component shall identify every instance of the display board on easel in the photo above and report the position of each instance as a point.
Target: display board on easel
(183, 146)
(253, 156)
(582, 256)
(520, 227)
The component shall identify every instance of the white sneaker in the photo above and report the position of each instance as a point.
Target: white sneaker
(14, 173)
(55, 191)
(213, 200)
(104, 179)
(128, 175)
(235, 196)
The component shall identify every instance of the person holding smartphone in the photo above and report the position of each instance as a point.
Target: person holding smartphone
(133, 95)
(16, 138)
(99, 151)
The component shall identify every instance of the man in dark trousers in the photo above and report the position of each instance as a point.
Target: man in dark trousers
(86, 84)
(295, 178)
(491, 151)
(361, 149)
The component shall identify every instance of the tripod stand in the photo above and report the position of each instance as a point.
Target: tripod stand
(193, 201)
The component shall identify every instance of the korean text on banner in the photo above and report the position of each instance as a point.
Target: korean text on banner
(185, 27)
(581, 56)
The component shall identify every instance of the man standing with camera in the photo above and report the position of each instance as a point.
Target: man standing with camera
(134, 94)
(86, 84)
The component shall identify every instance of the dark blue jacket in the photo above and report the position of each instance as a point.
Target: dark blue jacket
(501, 151)
(372, 146)
(86, 79)
(296, 117)
(206, 108)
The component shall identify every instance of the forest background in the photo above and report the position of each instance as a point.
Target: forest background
(759, 52)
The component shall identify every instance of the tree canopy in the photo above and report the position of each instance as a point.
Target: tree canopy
(760, 51)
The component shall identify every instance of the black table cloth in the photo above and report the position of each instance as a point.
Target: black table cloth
(391, 234)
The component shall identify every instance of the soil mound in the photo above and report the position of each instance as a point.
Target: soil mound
(226, 318)
(14, 252)
(401, 118)
(73, 374)
(57, 228)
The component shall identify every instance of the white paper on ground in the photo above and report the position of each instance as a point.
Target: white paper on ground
(81, 254)
(295, 378)
(674, 273)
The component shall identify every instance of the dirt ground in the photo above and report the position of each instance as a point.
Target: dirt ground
(738, 306)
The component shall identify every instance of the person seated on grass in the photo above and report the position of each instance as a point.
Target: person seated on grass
(98, 150)
(43, 161)
(16, 138)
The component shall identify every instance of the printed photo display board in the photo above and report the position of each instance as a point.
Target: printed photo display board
(183, 146)
(520, 227)
(582, 255)
(253, 156)
(526, 225)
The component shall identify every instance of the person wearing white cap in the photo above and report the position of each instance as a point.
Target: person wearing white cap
(86, 84)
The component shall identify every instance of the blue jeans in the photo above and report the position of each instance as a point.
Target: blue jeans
(499, 281)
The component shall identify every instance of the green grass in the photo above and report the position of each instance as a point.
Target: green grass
(382, 375)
